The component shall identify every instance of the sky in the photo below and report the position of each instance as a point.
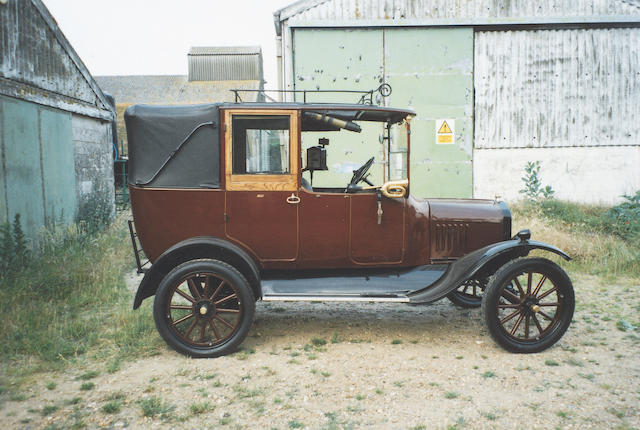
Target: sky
(152, 37)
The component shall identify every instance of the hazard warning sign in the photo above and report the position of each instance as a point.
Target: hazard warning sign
(445, 131)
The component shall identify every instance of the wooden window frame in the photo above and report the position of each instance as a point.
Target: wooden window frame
(263, 182)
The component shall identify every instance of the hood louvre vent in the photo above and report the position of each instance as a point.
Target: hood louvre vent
(451, 238)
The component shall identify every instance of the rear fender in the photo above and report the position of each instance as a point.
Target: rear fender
(198, 247)
(481, 263)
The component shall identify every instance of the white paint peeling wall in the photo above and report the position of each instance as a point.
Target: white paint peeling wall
(586, 175)
(569, 99)
(557, 88)
(461, 9)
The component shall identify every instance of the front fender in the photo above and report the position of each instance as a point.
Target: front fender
(198, 247)
(480, 263)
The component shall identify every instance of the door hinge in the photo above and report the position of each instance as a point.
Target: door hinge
(226, 218)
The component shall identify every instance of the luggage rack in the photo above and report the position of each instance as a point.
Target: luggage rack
(137, 249)
(366, 97)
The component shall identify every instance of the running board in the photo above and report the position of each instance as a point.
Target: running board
(334, 298)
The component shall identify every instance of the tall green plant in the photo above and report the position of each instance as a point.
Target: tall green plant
(533, 189)
(20, 249)
(6, 247)
(14, 252)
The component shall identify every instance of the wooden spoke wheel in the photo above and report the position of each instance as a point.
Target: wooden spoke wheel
(204, 308)
(469, 294)
(528, 305)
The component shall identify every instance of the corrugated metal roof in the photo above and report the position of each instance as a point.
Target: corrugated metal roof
(337, 10)
(225, 50)
(223, 63)
(35, 54)
(541, 89)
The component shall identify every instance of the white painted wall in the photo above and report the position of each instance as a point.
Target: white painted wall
(586, 175)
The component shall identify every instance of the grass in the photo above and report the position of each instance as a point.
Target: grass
(317, 341)
(154, 406)
(70, 303)
(201, 408)
(112, 407)
(596, 240)
(86, 386)
(89, 375)
(48, 410)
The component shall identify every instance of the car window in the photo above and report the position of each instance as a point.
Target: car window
(260, 144)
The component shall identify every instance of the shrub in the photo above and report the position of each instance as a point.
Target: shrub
(625, 217)
(533, 189)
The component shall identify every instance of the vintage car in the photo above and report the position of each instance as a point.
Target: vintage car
(226, 211)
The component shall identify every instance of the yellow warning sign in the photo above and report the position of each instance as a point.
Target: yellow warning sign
(445, 132)
(444, 128)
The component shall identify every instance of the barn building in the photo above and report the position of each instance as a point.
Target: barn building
(55, 123)
(213, 72)
(555, 81)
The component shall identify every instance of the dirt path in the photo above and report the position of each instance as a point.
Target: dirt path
(382, 366)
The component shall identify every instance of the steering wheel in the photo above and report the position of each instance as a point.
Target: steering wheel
(360, 174)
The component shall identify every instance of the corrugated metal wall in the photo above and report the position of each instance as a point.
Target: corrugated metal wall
(460, 9)
(38, 154)
(557, 88)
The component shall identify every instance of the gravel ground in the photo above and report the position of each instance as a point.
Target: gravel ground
(323, 365)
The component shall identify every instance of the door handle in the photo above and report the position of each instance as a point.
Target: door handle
(293, 199)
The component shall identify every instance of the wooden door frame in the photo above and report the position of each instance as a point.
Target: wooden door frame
(262, 182)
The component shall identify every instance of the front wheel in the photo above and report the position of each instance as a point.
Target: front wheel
(528, 305)
(204, 308)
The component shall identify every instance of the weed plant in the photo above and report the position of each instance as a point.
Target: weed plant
(70, 301)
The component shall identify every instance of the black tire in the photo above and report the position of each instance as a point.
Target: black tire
(530, 290)
(204, 308)
(469, 294)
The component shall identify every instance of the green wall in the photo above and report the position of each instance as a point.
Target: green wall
(37, 171)
(430, 71)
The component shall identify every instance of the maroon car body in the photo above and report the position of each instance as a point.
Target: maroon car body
(225, 216)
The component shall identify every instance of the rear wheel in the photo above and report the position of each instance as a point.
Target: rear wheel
(469, 294)
(528, 305)
(204, 308)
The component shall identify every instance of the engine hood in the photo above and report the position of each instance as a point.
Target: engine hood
(460, 226)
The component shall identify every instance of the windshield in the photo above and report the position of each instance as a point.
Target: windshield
(347, 151)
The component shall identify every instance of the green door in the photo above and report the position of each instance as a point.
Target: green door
(430, 70)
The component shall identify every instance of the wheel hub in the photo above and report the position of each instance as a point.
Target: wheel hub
(204, 309)
(530, 305)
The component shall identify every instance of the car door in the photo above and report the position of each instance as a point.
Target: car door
(324, 229)
(261, 181)
(376, 239)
